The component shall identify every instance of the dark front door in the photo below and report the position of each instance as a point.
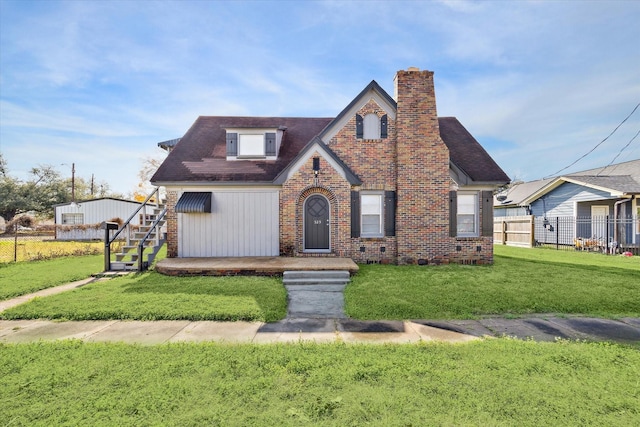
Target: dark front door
(316, 223)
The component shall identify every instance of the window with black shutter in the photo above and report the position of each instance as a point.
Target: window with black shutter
(232, 144)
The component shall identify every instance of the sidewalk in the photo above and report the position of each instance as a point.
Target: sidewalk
(159, 332)
(541, 327)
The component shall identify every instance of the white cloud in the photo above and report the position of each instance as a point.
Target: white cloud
(107, 80)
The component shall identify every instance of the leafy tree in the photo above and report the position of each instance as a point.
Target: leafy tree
(149, 166)
(12, 198)
(3, 166)
(44, 189)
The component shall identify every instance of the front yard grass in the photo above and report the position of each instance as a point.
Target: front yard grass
(153, 296)
(522, 281)
(25, 277)
(493, 382)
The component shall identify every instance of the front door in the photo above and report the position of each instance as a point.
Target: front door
(316, 224)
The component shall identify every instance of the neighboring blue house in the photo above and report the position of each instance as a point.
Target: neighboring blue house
(602, 202)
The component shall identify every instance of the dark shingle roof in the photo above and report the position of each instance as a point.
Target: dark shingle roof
(201, 154)
(467, 154)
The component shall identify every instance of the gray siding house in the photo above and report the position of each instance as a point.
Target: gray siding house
(603, 202)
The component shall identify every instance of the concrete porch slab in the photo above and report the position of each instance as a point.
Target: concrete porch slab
(263, 266)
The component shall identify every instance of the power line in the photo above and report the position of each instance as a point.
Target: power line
(619, 152)
(598, 144)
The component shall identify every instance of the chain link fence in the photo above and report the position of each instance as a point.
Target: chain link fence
(20, 246)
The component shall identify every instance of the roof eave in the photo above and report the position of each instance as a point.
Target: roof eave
(214, 184)
(346, 112)
(350, 176)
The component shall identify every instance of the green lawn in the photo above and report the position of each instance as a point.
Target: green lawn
(153, 296)
(522, 281)
(25, 277)
(498, 382)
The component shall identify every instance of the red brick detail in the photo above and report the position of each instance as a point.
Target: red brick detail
(172, 224)
(472, 250)
(374, 161)
(422, 225)
(296, 190)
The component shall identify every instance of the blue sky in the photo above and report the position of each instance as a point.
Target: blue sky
(99, 83)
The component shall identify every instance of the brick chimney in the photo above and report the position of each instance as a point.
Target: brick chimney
(422, 217)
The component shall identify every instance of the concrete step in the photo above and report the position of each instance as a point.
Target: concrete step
(321, 277)
(315, 288)
(124, 266)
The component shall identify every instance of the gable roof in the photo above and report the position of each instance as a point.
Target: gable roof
(372, 91)
(517, 193)
(200, 156)
(317, 145)
(620, 180)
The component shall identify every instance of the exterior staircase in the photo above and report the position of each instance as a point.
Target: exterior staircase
(142, 245)
(315, 294)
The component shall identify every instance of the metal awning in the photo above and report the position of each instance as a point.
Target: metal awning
(194, 202)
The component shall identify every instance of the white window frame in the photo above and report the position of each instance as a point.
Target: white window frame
(466, 209)
(380, 213)
(371, 126)
(72, 218)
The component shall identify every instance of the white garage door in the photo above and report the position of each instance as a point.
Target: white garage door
(241, 223)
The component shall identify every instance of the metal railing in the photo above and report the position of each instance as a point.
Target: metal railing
(110, 238)
(599, 233)
(156, 239)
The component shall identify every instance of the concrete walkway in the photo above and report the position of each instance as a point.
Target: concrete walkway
(160, 332)
(540, 328)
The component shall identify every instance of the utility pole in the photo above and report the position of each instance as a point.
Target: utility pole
(73, 182)
(92, 186)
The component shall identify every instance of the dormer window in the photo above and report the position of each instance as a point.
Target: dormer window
(253, 143)
(371, 126)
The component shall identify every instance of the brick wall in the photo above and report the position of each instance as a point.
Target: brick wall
(374, 161)
(423, 173)
(292, 197)
(172, 224)
(473, 250)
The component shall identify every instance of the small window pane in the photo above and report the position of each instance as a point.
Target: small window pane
(72, 218)
(371, 126)
(371, 215)
(466, 224)
(466, 204)
(467, 218)
(251, 145)
(371, 204)
(371, 224)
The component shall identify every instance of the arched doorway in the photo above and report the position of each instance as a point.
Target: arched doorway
(317, 224)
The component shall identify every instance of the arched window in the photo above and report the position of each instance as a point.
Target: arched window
(371, 126)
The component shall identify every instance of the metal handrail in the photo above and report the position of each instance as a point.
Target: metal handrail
(146, 236)
(109, 241)
(135, 212)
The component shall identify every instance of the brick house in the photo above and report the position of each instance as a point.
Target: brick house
(386, 181)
